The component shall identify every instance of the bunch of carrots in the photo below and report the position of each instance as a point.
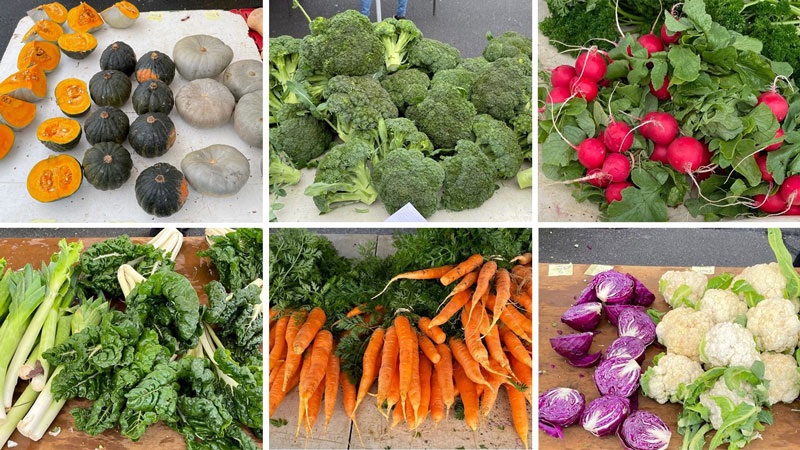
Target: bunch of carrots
(418, 369)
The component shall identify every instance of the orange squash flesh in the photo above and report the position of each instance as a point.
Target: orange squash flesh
(6, 140)
(84, 18)
(45, 30)
(72, 96)
(77, 45)
(29, 84)
(59, 133)
(16, 113)
(44, 54)
(53, 11)
(54, 178)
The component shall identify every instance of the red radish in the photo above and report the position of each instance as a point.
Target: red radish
(686, 154)
(775, 102)
(598, 178)
(663, 92)
(584, 88)
(591, 153)
(659, 127)
(591, 65)
(614, 190)
(791, 188)
(770, 205)
(761, 160)
(558, 95)
(618, 137)
(617, 166)
(562, 75)
(792, 211)
(659, 154)
(777, 145)
(669, 39)
(651, 42)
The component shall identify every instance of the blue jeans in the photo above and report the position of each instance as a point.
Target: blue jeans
(401, 7)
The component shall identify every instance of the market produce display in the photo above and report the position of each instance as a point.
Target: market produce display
(700, 115)
(122, 340)
(434, 318)
(724, 372)
(379, 109)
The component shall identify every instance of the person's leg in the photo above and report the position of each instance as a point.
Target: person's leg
(365, 7)
(401, 8)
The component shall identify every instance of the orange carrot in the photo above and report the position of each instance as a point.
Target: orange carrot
(502, 286)
(524, 300)
(273, 372)
(519, 413)
(314, 322)
(453, 306)
(489, 396)
(423, 274)
(495, 347)
(272, 333)
(524, 374)
(444, 374)
(397, 415)
(349, 399)
(370, 364)
(276, 391)
(410, 415)
(331, 388)
(407, 349)
(469, 397)
(272, 313)
(425, 369)
(428, 349)
(463, 268)
(355, 311)
(437, 402)
(467, 282)
(292, 359)
(472, 338)
(414, 388)
(515, 347)
(388, 364)
(305, 369)
(313, 407)
(471, 367)
(278, 351)
(485, 276)
(523, 259)
(394, 387)
(435, 333)
(318, 366)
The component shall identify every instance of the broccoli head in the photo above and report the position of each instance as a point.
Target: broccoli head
(343, 177)
(432, 56)
(356, 104)
(392, 134)
(408, 176)
(469, 177)
(508, 45)
(445, 116)
(299, 135)
(473, 64)
(396, 36)
(503, 88)
(460, 78)
(284, 54)
(406, 87)
(345, 44)
(500, 143)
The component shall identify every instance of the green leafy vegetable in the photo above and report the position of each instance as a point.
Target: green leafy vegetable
(238, 257)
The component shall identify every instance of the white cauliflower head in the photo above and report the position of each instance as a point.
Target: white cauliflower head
(784, 379)
(679, 286)
(724, 306)
(766, 279)
(774, 325)
(682, 329)
(660, 382)
(729, 344)
(720, 389)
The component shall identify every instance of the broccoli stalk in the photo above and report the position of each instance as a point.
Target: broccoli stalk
(284, 56)
(525, 178)
(397, 36)
(281, 173)
(343, 177)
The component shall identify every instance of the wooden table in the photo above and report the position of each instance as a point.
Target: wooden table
(199, 271)
(556, 294)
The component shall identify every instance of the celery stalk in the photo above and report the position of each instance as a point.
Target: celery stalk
(46, 341)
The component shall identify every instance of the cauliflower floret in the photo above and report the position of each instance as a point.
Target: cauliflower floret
(660, 382)
(729, 344)
(687, 284)
(766, 279)
(724, 306)
(720, 389)
(682, 329)
(784, 379)
(774, 324)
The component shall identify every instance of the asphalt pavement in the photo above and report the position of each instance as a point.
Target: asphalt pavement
(461, 23)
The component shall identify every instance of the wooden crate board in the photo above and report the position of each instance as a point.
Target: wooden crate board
(556, 294)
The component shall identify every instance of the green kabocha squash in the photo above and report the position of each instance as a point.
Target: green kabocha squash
(155, 65)
(244, 77)
(152, 96)
(110, 88)
(152, 134)
(201, 56)
(161, 190)
(248, 119)
(59, 134)
(106, 124)
(218, 170)
(107, 165)
(118, 56)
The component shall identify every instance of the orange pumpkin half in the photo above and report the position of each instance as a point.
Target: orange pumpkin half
(29, 84)
(51, 11)
(16, 113)
(6, 140)
(45, 30)
(54, 178)
(84, 18)
(120, 15)
(72, 96)
(43, 54)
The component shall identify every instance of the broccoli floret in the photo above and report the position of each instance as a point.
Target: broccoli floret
(445, 116)
(392, 134)
(523, 126)
(406, 87)
(473, 64)
(299, 135)
(508, 45)
(345, 44)
(408, 176)
(469, 177)
(460, 78)
(396, 36)
(500, 144)
(343, 177)
(356, 104)
(284, 54)
(503, 88)
(432, 56)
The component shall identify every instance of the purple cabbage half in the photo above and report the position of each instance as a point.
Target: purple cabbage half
(561, 406)
(613, 287)
(583, 317)
(551, 429)
(641, 295)
(586, 360)
(636, 323)
(572, 346)
(603, 415)
(613, 312)
(627, 347)
(617, 376)
(643, 430)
